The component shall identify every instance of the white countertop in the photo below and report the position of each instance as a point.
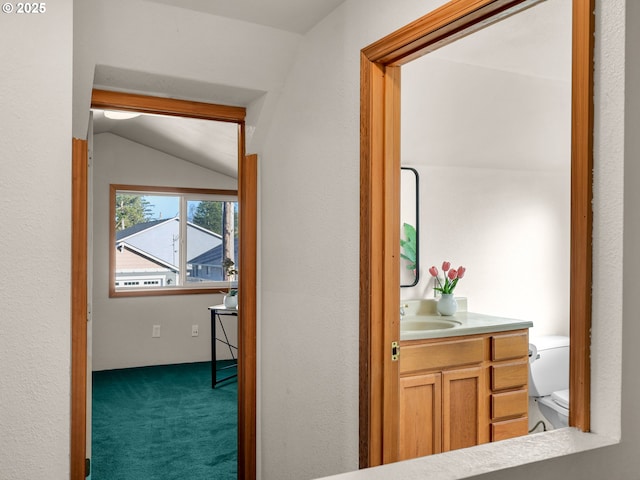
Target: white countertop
(470, 323)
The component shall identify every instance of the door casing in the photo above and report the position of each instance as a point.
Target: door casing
(380, 65)
(247, 201)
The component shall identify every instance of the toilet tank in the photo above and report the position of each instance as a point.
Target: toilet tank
(548, 365)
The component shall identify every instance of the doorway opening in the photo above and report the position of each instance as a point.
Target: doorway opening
(381, 64)
(247, 201)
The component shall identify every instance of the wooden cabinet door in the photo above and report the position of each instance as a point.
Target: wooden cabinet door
(464, 408)
(420, 415)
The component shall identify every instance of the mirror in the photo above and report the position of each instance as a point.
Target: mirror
(409, 228)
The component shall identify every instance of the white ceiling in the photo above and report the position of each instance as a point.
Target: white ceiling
(297, 16)
(506, 45)
(535, 42)
(210, 144)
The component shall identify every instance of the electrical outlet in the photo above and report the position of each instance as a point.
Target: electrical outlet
(194, 330)
(156, 331)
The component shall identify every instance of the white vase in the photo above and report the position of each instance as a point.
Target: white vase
(447, 305)
(230, 301)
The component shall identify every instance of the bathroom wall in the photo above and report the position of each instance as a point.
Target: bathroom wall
(492, 148)
(122, 326)
(506, 228)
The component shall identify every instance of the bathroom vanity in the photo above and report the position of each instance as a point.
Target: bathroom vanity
(463, 380)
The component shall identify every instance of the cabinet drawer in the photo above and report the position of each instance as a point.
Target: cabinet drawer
(508, 346)
(509, 404)
(509, 429)
(414, 358)
(509, 375)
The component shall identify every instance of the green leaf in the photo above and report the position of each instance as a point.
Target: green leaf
(410, 233)
(409, 250)
(408, 245)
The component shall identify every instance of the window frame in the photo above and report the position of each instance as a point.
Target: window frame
(186, 194)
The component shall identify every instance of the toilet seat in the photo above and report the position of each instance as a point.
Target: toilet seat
(553, 405)
(561, 397)
(557, 415)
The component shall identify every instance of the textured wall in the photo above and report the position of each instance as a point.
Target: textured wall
(35, 199)
(179, 53)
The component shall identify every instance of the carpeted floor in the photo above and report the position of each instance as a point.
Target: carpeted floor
(163, 423)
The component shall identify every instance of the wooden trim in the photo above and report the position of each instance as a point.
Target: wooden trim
(248, 278)
(109, 100)
(177, 190)
(377, 218)
(160, 291)
(371, 265)
(581, 213)
(391, 265)
(451, 21)
(248, 199)
(79, 250)
(366, 440)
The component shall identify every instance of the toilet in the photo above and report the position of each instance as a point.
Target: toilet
(549, 377)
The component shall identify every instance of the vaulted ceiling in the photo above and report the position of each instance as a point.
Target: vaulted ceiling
(213, 144)
(209, 144)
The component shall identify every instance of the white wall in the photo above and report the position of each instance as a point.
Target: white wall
(35, 199)
(310, 248)
(122, 326)
(467, 115)
(510, 229)
(181, 53)
(493, 151)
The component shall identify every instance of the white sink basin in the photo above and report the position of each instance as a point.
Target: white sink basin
(422, 324)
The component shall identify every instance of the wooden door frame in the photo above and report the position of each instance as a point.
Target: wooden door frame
(380, 206)
(247, 201)
(79, 308)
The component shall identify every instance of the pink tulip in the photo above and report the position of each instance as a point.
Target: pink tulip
(452, 274)
(446, 266)
(461, 271)
(433, 271)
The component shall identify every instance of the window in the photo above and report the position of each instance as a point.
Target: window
(171, 240)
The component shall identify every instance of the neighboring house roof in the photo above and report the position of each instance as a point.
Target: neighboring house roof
(127, 232)
(214, 255)
(159, 239)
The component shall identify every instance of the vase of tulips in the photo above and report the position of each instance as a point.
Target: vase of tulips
(447, 304)
(230, 300)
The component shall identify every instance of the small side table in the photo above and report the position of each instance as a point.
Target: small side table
(216, 312)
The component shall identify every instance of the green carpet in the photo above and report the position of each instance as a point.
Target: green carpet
(163, 423)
